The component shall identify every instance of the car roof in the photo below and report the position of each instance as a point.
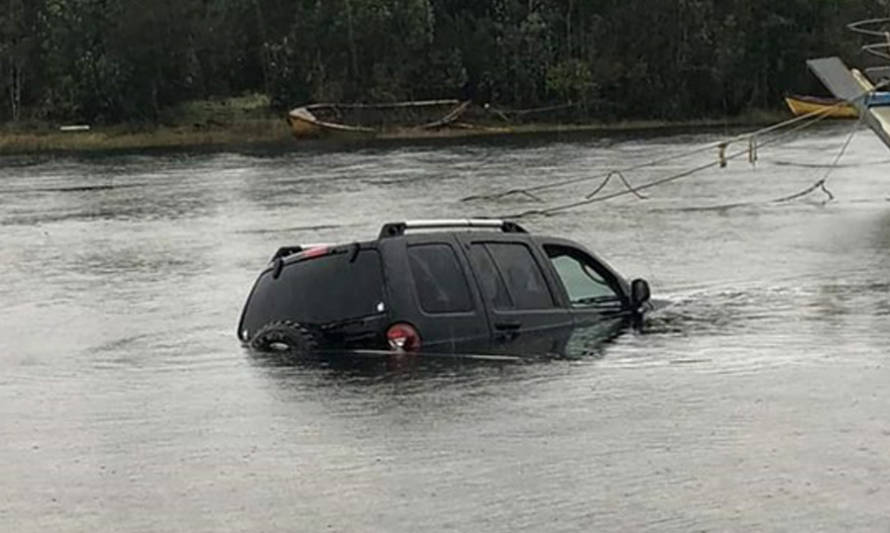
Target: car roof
(431, 228)
(397, 229)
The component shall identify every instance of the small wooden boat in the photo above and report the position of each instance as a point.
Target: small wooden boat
(833, 107)
(318, 120)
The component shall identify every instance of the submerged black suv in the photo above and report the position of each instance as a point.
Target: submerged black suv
(433, 286)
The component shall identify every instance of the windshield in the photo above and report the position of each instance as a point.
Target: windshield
(320, 290)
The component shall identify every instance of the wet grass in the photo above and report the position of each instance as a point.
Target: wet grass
(245, 120)
(245, 132)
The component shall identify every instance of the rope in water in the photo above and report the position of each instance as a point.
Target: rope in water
(635, 190)
(528, 191)
(802, 121)
(821, 184)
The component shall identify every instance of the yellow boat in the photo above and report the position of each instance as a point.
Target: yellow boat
(833, 107)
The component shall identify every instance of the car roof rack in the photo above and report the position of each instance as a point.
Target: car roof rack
(397, 229)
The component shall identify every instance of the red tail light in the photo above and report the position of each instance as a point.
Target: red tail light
(403, 338)
(317, 251)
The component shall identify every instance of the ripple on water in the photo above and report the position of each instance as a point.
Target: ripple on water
(125, 395)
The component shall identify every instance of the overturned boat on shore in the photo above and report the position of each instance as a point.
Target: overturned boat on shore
(318, 120)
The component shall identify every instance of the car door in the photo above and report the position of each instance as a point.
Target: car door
(430, 288)
(525, 314)
(592, 290)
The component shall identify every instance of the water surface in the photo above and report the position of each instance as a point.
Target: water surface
(756, 400)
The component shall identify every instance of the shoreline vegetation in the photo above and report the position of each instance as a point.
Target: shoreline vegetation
(222, 75)
(244, 123)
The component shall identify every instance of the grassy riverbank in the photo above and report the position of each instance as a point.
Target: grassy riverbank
(242, 121)
(126, 138)
(245, 122)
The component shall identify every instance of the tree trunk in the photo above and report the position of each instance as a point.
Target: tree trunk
(15, 91)
(14, 52)
(264, 46)
(569, 29)
(351, 36)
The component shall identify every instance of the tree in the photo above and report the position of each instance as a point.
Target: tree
(16, 51)
(129, 60)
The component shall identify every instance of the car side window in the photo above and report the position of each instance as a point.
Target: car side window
(493, 288)
(438, 278)
(585, 286)
(522, 276)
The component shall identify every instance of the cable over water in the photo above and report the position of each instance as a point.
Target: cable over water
(748, 137)
(592, 198)
(754, 143)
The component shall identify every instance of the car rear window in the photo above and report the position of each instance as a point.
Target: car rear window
(318, 291)
(439, 281)
(523, 276)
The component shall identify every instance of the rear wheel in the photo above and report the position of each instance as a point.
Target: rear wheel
(284, 337)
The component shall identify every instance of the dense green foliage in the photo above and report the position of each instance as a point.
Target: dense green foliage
(127, 60)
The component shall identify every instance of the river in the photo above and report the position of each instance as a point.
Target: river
(757, 399)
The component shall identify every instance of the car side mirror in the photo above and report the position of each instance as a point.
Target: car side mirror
(639, 293)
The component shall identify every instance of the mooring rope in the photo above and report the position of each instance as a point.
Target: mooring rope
(821, 184)
(719, 145)
(804, 121)
(630, 189)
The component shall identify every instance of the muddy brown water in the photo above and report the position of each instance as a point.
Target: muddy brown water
(756, 400)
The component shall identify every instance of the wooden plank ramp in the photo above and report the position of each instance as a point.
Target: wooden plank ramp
(854, 87)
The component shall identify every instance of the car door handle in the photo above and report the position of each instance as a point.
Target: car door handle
(507, 326)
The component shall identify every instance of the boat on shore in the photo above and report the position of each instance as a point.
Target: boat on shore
(318, 120)
(832, 107)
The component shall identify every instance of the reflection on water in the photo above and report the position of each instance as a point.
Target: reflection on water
(589, 342)
(755, 399)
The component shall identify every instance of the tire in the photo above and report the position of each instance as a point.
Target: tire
(284, 337)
